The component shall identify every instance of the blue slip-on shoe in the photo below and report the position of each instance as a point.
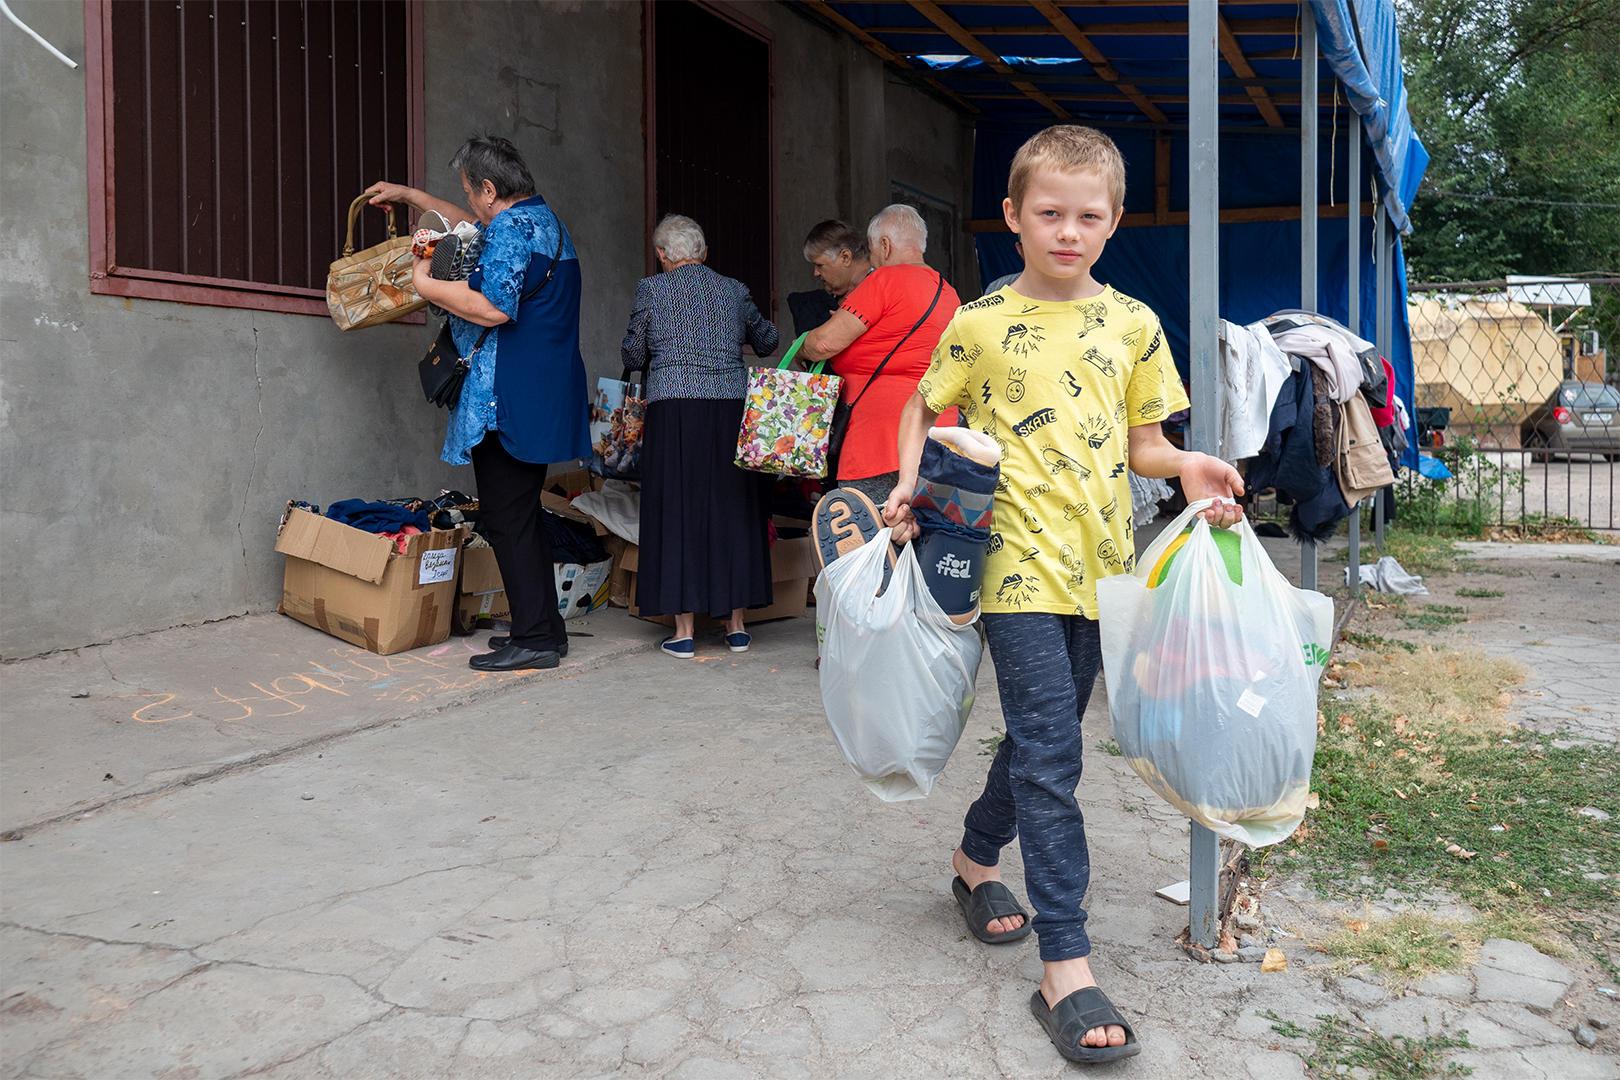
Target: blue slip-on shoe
(738, 642)
(679, 648)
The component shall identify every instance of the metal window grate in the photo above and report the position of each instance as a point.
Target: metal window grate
(242, 130)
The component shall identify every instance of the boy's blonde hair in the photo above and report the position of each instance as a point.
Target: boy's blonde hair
(1068, 148)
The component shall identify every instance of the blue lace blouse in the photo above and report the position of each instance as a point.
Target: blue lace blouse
(528, 380)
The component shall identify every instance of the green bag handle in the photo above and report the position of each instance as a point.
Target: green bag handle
(793, 350)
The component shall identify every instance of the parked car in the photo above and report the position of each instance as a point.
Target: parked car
(1580, 416)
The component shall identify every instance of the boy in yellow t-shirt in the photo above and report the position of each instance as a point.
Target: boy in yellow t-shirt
(1071, 378)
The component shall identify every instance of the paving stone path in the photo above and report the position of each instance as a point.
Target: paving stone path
(654, 868)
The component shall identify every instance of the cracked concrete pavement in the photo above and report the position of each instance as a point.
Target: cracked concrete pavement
(635, 867)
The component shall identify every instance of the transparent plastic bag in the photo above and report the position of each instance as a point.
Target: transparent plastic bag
(1211, 682)
(897, 675)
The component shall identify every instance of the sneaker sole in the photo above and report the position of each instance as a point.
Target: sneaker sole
(738, 648)
(845, 520)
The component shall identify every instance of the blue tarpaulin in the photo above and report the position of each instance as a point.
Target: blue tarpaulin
(1259, 164)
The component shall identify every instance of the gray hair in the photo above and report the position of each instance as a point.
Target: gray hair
(679, 238)
(492, 158)
(901, 224)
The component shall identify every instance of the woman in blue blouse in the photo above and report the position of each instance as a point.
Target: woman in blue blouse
(524, 403)
(704, 522)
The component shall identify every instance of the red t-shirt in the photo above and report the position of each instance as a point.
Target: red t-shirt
(889, 302)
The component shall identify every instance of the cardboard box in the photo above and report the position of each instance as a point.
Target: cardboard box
(354, 585)
(793, 567)
(575, 481)
(480, 595)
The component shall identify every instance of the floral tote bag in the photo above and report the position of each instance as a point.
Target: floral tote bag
(787, 418)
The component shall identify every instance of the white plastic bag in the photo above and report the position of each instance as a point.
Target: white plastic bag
(1387, 575)
(897, 676)
(1212, 684)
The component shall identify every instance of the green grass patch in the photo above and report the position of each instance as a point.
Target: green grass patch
(1421, 550)
(1424, 787)
(1377, 643)
(1340, 1046)
(1445, 609)
(992, 744)
(1405, 948)
(1431, 621)
(1110, 747)
(1480, 594)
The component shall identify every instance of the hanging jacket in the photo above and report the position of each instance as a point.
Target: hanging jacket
(1287, 462)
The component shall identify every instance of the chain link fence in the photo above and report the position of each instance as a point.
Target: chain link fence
(1517, 397)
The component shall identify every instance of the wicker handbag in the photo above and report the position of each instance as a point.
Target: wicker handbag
(372, 286)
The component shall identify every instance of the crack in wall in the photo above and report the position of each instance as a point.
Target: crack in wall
(253, 467)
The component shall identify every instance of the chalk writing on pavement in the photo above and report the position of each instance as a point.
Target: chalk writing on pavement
(356, 674)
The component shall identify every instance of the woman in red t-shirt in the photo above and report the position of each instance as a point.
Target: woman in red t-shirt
(883, 312)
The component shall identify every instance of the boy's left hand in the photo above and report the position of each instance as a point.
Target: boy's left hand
(1204, 476)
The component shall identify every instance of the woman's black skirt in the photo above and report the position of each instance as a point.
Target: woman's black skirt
(705, 545)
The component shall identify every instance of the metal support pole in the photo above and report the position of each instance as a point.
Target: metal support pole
(1384, 252)
(1204, 896)
(1354, 188)
(1203, 309)
(1308, 158)
(1354, 562)
(1308, 170)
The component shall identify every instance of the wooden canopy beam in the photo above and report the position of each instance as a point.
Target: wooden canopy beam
(1233, 53)
(883, 52)
(932, 12)
(1240, 216)
(1246, 27)
(1094, 56)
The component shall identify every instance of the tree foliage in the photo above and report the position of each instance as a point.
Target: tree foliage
(1516, 98)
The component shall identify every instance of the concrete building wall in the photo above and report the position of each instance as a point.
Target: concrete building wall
(147, 448)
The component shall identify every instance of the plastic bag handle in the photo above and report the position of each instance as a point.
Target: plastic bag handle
(793, 350)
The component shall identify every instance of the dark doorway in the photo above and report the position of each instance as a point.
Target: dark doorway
(710, 151)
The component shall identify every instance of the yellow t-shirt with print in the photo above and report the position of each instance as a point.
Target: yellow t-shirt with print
(1056, 385)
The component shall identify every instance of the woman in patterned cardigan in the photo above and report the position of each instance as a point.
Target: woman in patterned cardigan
(704, 521)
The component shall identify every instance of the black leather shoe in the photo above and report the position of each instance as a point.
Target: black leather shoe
(501, 641)
(513, 658)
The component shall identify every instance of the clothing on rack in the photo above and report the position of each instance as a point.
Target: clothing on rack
(1253, 372)
(1146, 495)
(1343, 360)
(1288, 463)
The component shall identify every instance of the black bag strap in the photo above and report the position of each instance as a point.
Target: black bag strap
(931, 304)
(530, 295)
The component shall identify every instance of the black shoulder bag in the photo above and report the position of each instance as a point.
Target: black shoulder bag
(443, 370)
(843, 412)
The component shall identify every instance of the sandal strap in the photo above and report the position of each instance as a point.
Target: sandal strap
(993, 900)
(1086, 1009)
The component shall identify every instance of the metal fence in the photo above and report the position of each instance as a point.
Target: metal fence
(1517, 396)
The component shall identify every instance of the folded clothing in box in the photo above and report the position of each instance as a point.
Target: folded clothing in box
(356, 586)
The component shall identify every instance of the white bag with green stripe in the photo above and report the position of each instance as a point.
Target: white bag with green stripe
(1212, 661)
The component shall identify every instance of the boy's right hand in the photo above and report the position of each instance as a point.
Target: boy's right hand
(897, 515)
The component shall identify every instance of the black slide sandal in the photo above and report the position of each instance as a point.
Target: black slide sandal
(1077, 1014)
(990, 901)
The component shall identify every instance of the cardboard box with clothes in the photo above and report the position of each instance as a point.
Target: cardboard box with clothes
(384, 594)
